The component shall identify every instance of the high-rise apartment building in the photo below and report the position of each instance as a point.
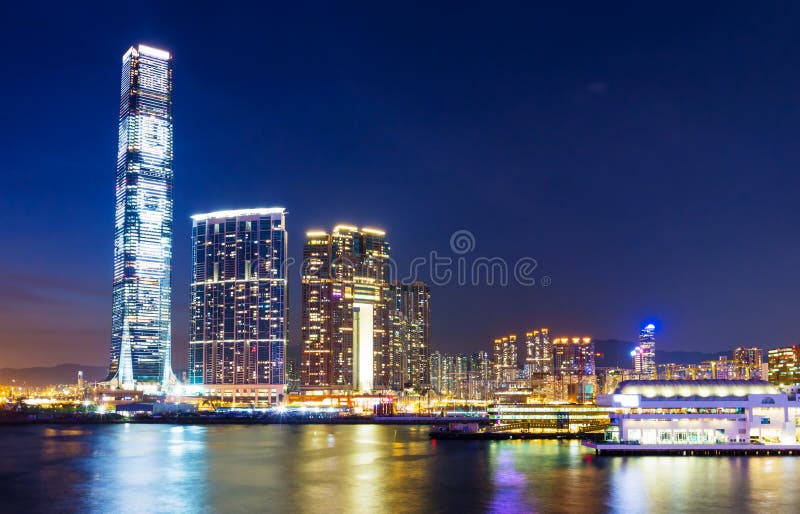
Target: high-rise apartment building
(644, 356)
(141, 342)
(573, 369)
(747, 362)
(410, 335)
(506, 357)
(238, 304)
(784, 365)
(345, 311)
(538, 354)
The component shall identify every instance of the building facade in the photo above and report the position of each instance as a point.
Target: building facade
(706, 412)
(538, 354)
(644, 355)
(238, 303)
(141, 342)
(506, 356)
(410, 336)
(784, 365)
(574, 378)
(747, 362)
(345, 311)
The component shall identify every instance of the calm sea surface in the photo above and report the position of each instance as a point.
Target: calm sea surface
(362, 468)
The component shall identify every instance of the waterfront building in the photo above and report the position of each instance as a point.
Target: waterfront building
(444, 373)
(506, 360)
(481, 372)
(747, 362)
(644, 355)
(573, 370)
(549, 419)
(345, 311)
(436, 371)
(410, 335)
(691, 412)
(462, 376)
(784, 365)
(141, 343)
(237, 343)
(538, 355)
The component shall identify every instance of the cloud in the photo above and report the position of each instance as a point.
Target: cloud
(597, 87)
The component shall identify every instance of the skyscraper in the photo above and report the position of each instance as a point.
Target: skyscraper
(238, 304)
(410, 335)
(573, 369)
(644, 355)
(345, 310)
(538, 354)
(140, 328)
(505, 360)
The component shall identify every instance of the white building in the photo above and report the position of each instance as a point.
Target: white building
(698, 412)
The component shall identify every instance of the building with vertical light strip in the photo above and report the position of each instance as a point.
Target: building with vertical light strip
(142, 294)
(345, 311)
(237, 344)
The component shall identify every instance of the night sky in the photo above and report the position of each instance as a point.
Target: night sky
(645, 156)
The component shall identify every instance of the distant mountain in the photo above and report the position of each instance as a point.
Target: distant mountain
(681, 357)
(617, 354)
(42, 376)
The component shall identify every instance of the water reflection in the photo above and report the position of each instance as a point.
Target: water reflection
(363, 468)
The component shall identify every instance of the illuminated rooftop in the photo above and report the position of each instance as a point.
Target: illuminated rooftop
(147, 50)
(240, 212)
(699, 388)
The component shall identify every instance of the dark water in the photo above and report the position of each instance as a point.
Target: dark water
(362, 468)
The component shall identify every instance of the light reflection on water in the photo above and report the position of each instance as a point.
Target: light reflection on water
(362, 468)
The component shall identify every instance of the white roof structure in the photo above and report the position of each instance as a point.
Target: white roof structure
(262, 211)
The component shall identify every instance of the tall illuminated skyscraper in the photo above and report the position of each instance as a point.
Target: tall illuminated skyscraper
(345, 310)
(142, 295)
(644, 355)
(238, 308)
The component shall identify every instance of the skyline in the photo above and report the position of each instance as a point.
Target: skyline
(609, 271)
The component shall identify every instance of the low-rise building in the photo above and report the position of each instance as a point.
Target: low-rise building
(686, 412)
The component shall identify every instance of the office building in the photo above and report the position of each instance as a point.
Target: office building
(237, 343)
(644, 355)
(141, 343)
(345, 311)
